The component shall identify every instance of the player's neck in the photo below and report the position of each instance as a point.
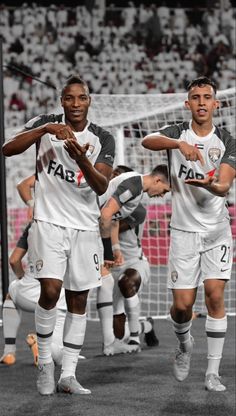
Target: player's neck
(202, 129)
(80, 126)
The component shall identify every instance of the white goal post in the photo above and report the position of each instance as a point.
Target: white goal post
(130, 118)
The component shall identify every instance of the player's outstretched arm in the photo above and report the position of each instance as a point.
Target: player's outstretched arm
(219, 185)
(24, 189)
(23, 140)
(158, 142)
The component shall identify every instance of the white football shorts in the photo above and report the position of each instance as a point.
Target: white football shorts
(143, 268)
(25, 294)
(67, 254)
(195, 257)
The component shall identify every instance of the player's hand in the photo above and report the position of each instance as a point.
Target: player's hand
(108, 264)
(75, 150)
(201, 183)
(191, 152)
(118, 258)
(61, 131)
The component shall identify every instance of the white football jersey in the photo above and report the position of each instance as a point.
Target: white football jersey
(193, 208)
(62, 195)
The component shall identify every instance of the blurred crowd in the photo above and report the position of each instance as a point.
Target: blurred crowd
(145, 49)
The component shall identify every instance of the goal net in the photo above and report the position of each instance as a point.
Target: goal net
(130, 118)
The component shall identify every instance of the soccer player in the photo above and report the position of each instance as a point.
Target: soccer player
(130, 277)
(23, 296)
(74, 164)
(202, 165)
(122, 197)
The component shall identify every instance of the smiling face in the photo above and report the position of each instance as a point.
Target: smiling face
(202, 103)
(75, 100)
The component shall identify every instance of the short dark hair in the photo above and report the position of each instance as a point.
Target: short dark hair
(124, 168)
(74, 79)
(200, 82)
(160, 170)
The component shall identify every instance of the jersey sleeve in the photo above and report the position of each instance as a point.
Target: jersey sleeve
(137, 217)
(173, 132)
(229, 155)
(128, 189)
(22, 242)
(107, 152)
(43, 119)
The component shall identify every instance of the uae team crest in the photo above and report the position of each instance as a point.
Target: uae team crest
(214, 154)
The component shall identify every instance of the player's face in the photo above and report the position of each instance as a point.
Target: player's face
(202, 103)
(75, 101)
(158, 188)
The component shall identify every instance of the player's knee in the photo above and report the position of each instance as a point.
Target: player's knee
(215, 301)
(129, 283)
(182, 307)
(50, 292)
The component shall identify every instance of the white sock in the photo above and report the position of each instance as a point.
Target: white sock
(144, 326)
(132, 309)
(44, 323)
(105, 308)
(57, 337)
(11, 317)
(73, 339)
(183, 334)
(215, 330)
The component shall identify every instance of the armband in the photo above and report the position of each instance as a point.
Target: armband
(108, 254)
(116, 247)
(30, 203)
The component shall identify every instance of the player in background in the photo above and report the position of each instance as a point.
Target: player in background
(74, 164)
(130, 277)
(202, 169)
(23, 295)
(122, 197)
(11, 314)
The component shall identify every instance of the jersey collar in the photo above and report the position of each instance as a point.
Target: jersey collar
(201, 137)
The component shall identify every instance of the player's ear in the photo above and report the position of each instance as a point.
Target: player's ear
(217, 104)
(186, 104)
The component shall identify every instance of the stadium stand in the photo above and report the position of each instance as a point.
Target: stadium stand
(141, 48)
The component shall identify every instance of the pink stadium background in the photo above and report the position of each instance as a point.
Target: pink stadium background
(155, 237)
